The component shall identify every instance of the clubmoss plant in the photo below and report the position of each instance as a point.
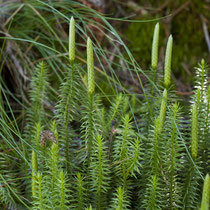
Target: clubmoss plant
(119, 201)
(201, 86)
(154, 57)
(207, 126)
(192, 189)
(163, 109)
(152, 196)
(38, 201)
(194, 144)
(72, 40)
(90, 67)
(173, 156)
(114, 112)
(99, 173)
(206, 194)
(89, 147)
(152, 169)
(80, 197)
(126, 152)
(63, 191)
(168, 58)
(34, 172)
(69, 94)
(90, 118)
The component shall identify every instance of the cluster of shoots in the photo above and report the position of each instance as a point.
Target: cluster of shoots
(36, 174)
(93, 157)
(167, 69)
(120, 201)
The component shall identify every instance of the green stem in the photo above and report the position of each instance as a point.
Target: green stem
(90, 128)
(172, 157)
(66, 120)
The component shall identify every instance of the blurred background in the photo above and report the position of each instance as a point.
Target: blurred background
(187, 20)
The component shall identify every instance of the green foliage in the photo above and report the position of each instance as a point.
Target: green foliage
(8, 192)
(33, 175)
(202, 86)
(206, 193)
(167, 66)
(38, 94)
(185, 52)
(120, 201)
(36, 113)
(194, 144)
(152, 196)
(126, 152)
(99, 173)
(80, 195)
(72, 40)
(87, 153)
(113, 113)
(66, 111)
(155, 42)
(163, 109)
(172, 163)
(90, 67)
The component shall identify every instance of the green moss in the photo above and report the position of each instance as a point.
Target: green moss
(186, 28)
(140, 37)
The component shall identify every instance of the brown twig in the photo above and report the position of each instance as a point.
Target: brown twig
(177, 11)
(138, 9)
(120, 161)
(184, 93)
(14, 13)
(164, 5)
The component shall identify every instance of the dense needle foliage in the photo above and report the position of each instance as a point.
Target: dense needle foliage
(121, 153)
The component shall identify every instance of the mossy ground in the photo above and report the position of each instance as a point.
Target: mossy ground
(185, 26)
